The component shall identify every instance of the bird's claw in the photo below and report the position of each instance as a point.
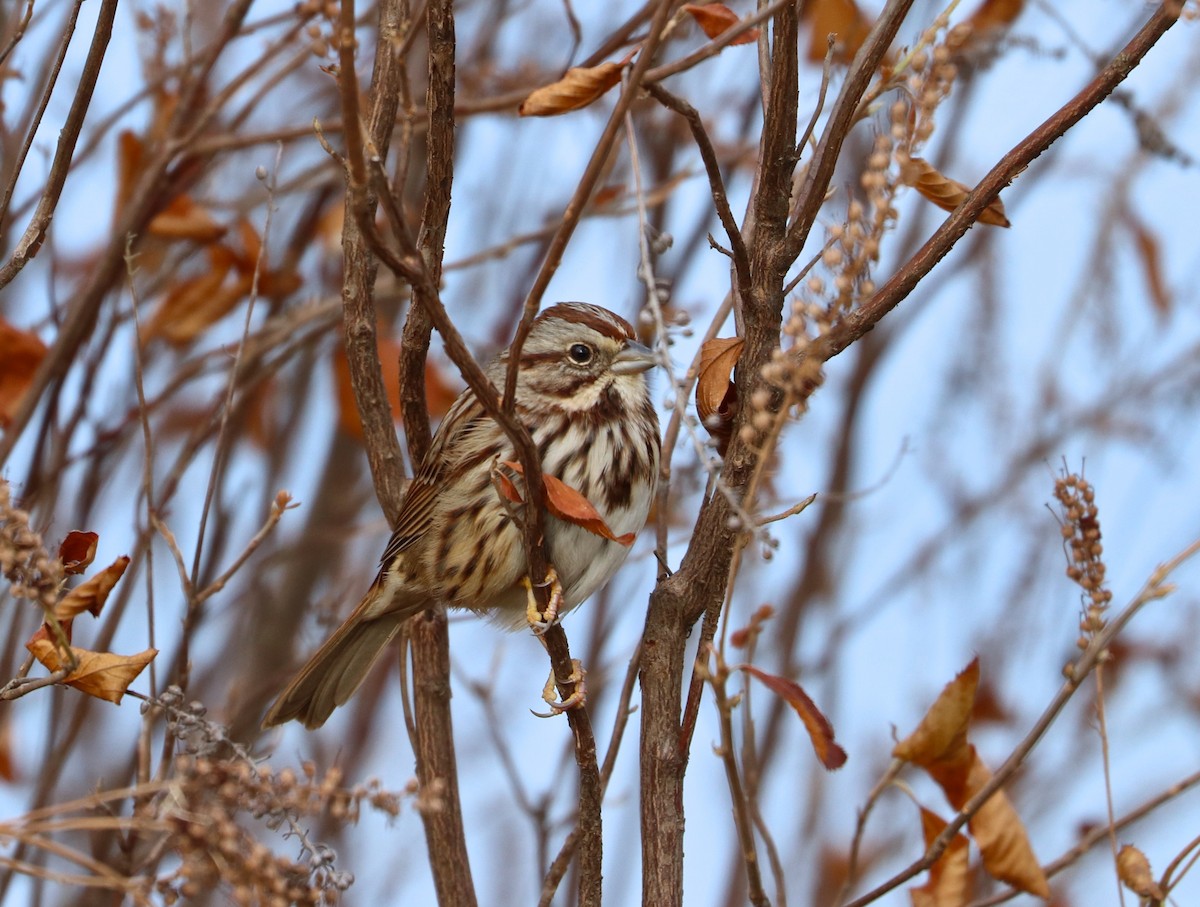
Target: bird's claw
(577, 699)
(541, 621)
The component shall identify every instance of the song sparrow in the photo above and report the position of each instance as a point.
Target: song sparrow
(582, 395)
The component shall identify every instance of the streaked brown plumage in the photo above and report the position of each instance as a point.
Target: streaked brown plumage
(582, 394)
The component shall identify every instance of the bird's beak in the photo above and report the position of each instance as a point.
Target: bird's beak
(634, 359)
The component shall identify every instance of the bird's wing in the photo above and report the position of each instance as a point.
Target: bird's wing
(420, 500)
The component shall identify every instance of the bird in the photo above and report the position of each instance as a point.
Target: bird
(582, 394)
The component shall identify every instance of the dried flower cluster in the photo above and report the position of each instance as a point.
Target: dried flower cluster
(924, 80)
(1081, 536)
(218, 787)
(33, 572)
(216, 848)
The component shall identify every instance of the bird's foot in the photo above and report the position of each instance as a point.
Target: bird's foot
(541, 621)
(577, 699)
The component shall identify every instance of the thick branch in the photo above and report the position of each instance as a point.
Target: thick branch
(359, 317)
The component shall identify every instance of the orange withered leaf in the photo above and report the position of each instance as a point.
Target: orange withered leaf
(942, 734)
(92, 593)
(565, 503)
(21, 352)
(130, 152)
(101, 674)
(1147, 247)
(993, 15)
(578, 88)
(184, 219)
(820, 731)
(945, 192)
(440, 393)
(196, 303)
(716, 18)
(949, 882)
(1133, 869)
(8, 770)
(841, 18)
(716, 395)
(939, 745)
(77, 550)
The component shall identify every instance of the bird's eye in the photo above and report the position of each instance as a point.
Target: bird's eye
(580, 352)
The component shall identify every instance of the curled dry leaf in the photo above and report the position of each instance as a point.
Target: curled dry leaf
(100, 674)
(21, 352)
(939, 745)
(716, 395)
(565, 503)
(949, 882)
(716, 18)
(91, 594)
(1133, 869)
(579, 87)
(77, 550)
(945, 192)
(820, 731)
(1146, 244)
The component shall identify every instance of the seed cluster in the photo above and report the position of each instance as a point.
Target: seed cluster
(33, 572)
(222, 793)
(1081, 538)
(215, 846)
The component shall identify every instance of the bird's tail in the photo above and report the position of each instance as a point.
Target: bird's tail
(339, 667)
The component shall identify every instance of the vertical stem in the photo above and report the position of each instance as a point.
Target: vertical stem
(437, 769)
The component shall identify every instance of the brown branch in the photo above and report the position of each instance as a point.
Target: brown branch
(359, 315)
(738, 801)
(31, 241)
(437, 770)
(698, 586)
(741, 262)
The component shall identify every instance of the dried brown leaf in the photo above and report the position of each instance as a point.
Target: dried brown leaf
(439, 394)
(1000, 835)
(567, 504)
(842, 18)
(130, 153)
(994, 15)
(101, 674)
(820, 731)
(578, 88)
(716, 395)
(184, 219)
(942, 733)
(1149, 255)
(8, 769)
(945, 192)
(715, 19)
(91, 594)
(21, 352)
(1133, 869)
(949, 882)
(77, 550)
(196, 303)
(939, 745)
